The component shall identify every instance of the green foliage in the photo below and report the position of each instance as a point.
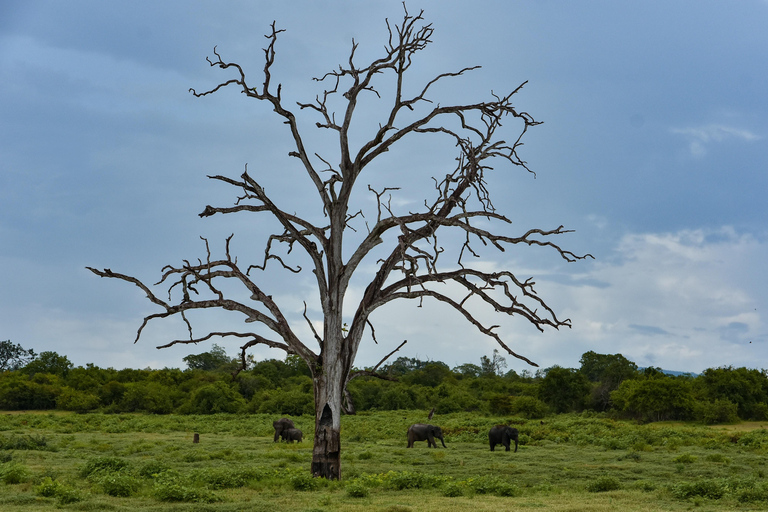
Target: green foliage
(171, 487)
(303, 482)
(655, 399)
(719, 411)
(291, 402)
(685, 458)
(399, 480)
(225, 477)
(150, 397)
(103, 465)
(704, 488)
(19, 392)
(528, 407)
(603, 484)
(25, 442)
(747, 388)
(356, 489)
(213, 398)
(64, 494)
(14, 473)
(564, 390)
(117, 484)
(49, 362)
(492, 485)
(14, 356)
(79, 401)
(214, 359)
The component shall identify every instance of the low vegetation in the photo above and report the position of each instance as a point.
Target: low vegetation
(603, 384)
(96, 461)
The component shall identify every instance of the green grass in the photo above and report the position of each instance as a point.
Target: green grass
(51, 461)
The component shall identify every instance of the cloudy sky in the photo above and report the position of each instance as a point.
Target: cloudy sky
(654, 149)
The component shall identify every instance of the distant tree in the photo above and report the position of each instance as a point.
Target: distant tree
(747, 388)
(564, 389)
(214, 359)
(390, 252)
(607, 371)
(655, 399)
(493, 366)
(49, 362)
(468, 370)
(14, 356)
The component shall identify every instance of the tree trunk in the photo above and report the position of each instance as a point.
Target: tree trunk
(326, 454)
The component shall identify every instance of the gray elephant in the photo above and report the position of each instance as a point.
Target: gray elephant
(290, 435)
(280, 425)
(502, 434)
(422, 432)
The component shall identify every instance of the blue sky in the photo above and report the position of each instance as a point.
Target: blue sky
(654, 149)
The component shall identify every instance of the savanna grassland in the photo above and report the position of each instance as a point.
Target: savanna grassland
(63, 460)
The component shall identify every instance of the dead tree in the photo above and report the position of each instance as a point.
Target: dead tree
(407, 267)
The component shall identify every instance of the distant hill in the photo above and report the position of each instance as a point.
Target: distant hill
(673, 372)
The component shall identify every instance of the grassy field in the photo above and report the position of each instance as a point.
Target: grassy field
(67, 461)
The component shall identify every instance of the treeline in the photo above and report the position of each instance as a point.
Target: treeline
(605, 383)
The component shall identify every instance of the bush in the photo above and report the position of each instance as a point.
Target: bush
(153, 468)
(224, 478)
(712, 489)
(719, 411)
(171, 488)
(399, 480)
(453, 490)
(118, 484)
(529, 407)
(25, 443)
(603, 484)
(356, 489)
(50, 488)
(103, 464)
(493, 485)
(685, 458)
(14, 473)
(77, 401)
(304, 482)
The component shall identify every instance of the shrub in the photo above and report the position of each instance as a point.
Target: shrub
(304, 482)
(400, 480)
(356, 489)
(14, 473)
(529, 407)
(25, 443)
(453, 490)
(712, 489)
(685, 458)
(224, 478)
(603, 484)
(170, 487)
(213, 398)
(118, 484)
(719, 411)
(78, 401)
(64, 494)
(153, 468)
(493, 485)
(103, 464)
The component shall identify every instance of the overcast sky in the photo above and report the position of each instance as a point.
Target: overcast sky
(654, 149)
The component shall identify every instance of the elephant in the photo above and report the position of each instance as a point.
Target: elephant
(422, 432)
(502, 434)
(290, 435)
(280, 425)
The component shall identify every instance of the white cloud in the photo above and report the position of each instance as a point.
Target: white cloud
(701, 137)
(687, 301)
